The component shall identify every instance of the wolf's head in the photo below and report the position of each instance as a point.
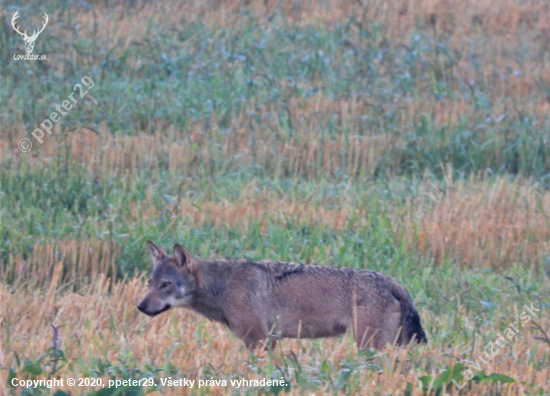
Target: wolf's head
(172, 282)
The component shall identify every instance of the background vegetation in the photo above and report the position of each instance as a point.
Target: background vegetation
(410, 137)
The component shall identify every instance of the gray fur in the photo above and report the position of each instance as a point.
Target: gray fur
(262, 298)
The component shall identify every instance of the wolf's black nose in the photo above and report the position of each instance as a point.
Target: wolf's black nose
(141, 307)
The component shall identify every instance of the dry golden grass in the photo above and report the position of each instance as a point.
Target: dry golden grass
(309, 153)
(85, 262)
(482, 224)
(252, 212)
(97, 324)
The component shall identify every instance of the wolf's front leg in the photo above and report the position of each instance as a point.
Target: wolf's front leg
(253, 334)
(253, 338)
(265, 344)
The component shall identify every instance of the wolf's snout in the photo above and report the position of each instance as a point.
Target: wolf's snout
(149, 310)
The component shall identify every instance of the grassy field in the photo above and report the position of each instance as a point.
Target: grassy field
(410, 137)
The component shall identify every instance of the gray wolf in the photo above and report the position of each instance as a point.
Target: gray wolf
(262, 300)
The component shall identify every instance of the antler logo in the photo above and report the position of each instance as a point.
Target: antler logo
(29, 41)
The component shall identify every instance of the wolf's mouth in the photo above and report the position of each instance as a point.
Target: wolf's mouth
(166, 308)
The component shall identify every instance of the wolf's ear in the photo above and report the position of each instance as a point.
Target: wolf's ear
(156, 253)
(184, 259)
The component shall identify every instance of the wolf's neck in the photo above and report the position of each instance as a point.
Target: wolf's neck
(204, 303)
(209, 297)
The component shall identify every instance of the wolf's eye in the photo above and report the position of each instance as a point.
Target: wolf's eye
(164, 285)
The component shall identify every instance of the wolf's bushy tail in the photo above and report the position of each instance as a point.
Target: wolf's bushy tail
(410, 320)
(412, 326)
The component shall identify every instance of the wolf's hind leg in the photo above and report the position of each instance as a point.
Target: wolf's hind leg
(374, 327)
(365, 327)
